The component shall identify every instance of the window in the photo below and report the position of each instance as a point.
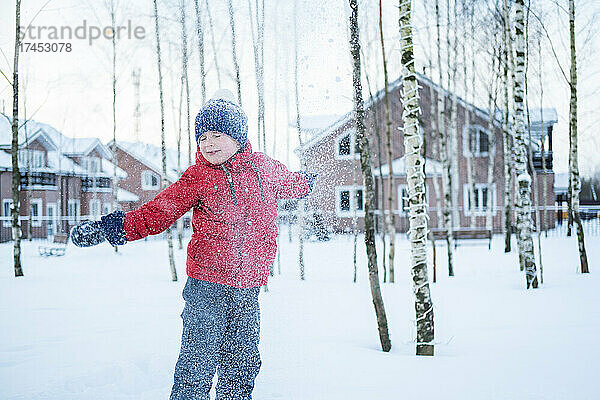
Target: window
(344, 148)
(51, 222)
(6, 212)
(476, 141)
(348, 199)
(92, 164)
(31, 158)
(483, 197)
(94, 208)
(73, 208)
(36, 212)
(150, 180)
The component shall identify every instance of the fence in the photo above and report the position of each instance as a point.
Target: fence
(44, 227)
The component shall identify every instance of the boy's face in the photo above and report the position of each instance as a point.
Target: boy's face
(217, 147)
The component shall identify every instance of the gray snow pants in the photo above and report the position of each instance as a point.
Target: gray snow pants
(221, 328)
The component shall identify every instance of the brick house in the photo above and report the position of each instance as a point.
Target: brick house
(143, 164)
(332, 152)
(70, 177)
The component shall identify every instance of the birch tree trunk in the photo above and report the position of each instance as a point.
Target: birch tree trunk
(114, 110)
(16, 176)
(507, 142)
(492, 103)
(524, 222)
(236, 65)
(573, 156)
(390, 217)
(258, 70)
(185, 80)
(415, 176)
(299, 131)
(200, 33)
(536, 191)
(443, 140)
(454, 181)
(543, 144)
(163, 180)
(469, 138)
(365, 163)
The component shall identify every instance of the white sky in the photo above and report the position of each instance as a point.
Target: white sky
(73, 91)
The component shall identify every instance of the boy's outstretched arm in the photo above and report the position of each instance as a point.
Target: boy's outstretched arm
(151, 218)
(290, 185)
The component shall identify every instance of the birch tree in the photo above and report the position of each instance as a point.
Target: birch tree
(299, 131)
(163, 180)
(234, 56)
(390, 217)
(443, 141)
(16, 176)
(365, 163)
(506, 133)
(200, 34)
(114, 109)
(575, 182)
(415, 177)
(524, 221)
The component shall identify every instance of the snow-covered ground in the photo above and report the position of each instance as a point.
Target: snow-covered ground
(98, 325)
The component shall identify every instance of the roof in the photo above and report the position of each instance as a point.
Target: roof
(123, 196)
(549, 116)
(376, 98)
(432, 167)
(107, 170)
(151, 156)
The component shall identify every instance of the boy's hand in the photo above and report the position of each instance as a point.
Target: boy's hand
(91, 233)
(87, 234)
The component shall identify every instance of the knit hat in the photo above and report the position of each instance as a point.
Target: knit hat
(222, 114)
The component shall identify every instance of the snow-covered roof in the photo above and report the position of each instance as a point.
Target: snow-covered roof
(325, 132)
(151, 156)
(315, 122)
(561, 182)
(123, 196)
(549, 115)
(107, 170)
(432, 167)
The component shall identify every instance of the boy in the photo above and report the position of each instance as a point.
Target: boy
(233, 192)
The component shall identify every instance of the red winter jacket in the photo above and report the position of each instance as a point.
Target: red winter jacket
(235, 205)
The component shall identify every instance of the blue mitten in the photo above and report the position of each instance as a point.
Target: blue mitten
(112, 228)
(91, 233)
(87, 234)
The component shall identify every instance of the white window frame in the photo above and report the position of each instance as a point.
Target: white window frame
(400, 208)
(6, 221)
(52, 219)
(92, 164)
(98, 207)
(478, 192)
(36, 220)
(353, 153)
(77, 205)
(476, 151)
(350, 213)
(148, 174)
